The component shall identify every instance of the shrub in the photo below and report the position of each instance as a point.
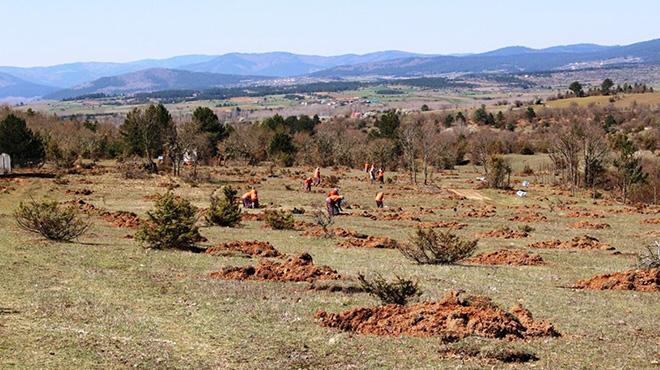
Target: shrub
(525, 228)
(396, 292)
(224, 210)
(431, 247)
(50, 220)
(171, 224)
(650, 259)
(498, 172)
(279, 219)
(133, 168)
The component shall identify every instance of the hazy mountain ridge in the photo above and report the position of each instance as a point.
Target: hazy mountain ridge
(11, 86)
(154, 79)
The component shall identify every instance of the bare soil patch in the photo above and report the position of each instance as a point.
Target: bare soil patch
(485, 212)
(339, 232)
(451, 318)
(251, 248)
(121, 219)
(528, 216)
(589, 225)
(508, 257)
(651, 221)
(79, 191)
(369, 242)
(578, 242)
(638, 280)
(503, 233)
(245, 216)
(299, 268)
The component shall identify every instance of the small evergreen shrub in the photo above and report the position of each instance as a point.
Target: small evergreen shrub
(498, 172)
(170, 225)
(650, 259)
(437, 247)
(398, 292)
(50, 220)
(224, 210)
(279, 219)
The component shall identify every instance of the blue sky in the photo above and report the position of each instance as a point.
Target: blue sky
(45, 32)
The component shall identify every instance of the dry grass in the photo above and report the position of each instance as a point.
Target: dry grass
(105, 302)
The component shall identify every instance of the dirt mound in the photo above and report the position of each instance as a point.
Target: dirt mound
(452, 318)
(299, 268)
(589, 225)
(443, 224)
(369, 242)
(252, 216)
(504, 233)
(121, 219)
(651, 221)
(6, 189)
(578, 242)
(251, 248)
(639, 280)
(318, 232)
(585, 214)
(485, 212)
(389, 216)
(79, 191)
(508, 257)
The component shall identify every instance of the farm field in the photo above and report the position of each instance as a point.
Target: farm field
(106, 302)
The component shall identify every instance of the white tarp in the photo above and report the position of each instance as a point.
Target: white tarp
(5, 164)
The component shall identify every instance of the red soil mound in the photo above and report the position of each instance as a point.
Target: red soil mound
(652, 221)
(317, 231)
(79, 191)
(450, 318)
(252, 248)
(585, 214)
(508, 257)
(589, 225)
(369, 242)
(252, 216)
(300, 268)
(443, 224)
(485, 212)
(120, 219)
(639, 280)
(382, 216)
(505, 233)
(578, 242)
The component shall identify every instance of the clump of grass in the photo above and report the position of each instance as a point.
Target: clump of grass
(324, 221)
(224, 209)
(398, 292)
(437, 247)
(651, 258)
(525, 228)
(170, 225)
(279, 219)
(50, 220)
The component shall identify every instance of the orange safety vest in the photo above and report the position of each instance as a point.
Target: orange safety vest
(253, 195)
(246, 195)
(379, 197)
(317, 173)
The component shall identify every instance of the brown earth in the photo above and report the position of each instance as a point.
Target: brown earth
(507, 257)
(451, 318)
(121, 219)
(504, 232)
(299, 268)
(369, 242)
(585, 214)
(639, 280)
(443, 224)
(589, 225)
(578, 242)
(339, 232)
(485, 212)
(252, 216)
(651, 221)
(79, 191)
(251, 248)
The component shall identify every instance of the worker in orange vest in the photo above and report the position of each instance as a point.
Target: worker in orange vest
(308, 184)
(317, 176)
(366, 167)
(246, 199)
(379, 199)
(254, 198)
(381, 176)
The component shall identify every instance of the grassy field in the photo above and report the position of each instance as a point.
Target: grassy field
(652, 99)
(105, 302)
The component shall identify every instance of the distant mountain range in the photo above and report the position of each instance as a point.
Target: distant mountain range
(206, 71)
(154, 79)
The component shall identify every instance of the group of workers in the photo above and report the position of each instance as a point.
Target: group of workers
(374, 175)
(334, 200)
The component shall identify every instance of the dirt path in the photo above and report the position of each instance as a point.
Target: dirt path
(470, 194)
